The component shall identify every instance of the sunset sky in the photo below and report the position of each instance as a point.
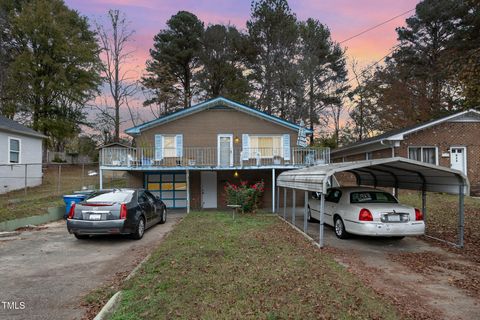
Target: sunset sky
(345, 18)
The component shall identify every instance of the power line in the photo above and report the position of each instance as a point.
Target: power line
(376, 26)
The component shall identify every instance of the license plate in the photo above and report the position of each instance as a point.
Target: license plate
(395, 218)
(95, 217)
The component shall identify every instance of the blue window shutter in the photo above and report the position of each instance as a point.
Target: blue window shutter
(158, 147)
(245, 147)
(286, 146)
(179, 145)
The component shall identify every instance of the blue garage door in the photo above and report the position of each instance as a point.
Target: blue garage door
(171, 187)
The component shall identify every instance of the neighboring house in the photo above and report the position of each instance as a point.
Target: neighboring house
(452, 141)
(186, 158)
(20, 145)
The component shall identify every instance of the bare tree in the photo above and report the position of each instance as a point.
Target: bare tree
(121, 84)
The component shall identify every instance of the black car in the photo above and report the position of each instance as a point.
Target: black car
(119, 211)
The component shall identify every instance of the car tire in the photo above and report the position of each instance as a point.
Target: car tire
(339, 228)
(81, 236)
(139, 229)
(163, 216)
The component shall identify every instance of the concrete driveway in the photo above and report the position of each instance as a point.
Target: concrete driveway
(46, 272)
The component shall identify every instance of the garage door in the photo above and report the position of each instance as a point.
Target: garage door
(171, 187)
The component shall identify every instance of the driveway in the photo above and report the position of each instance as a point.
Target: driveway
(438, 281)
(49, 271)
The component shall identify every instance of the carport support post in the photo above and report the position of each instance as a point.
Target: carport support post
(461, 215)
(322, 212)
(305, 208)
(285, 203)
(293, 206)
(273, 190)
(277, 209)
(101, 178)
(188, 190)
(424, 205)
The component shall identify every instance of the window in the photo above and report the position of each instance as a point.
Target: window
(169, 146)
(368, 156)
(120, 196)
(14, 150)
(333, 195)
(265, 146)
(372, 197)
(423, 154)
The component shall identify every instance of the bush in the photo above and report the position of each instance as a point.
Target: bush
(248, 197)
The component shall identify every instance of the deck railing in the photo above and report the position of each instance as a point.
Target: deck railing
(213, 157)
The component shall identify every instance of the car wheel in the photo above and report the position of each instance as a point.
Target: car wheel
(309, 215)
(81, 236)
(340, 231)
(139, 230)
(163, 216)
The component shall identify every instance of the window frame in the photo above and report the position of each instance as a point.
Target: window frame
(19, 150)
(266, 136)
(421, 153)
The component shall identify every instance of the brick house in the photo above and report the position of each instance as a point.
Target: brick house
(452, 141)
(187, 157)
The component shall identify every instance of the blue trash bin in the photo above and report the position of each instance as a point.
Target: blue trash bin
(72, 198)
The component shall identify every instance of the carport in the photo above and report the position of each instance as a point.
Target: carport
(396, 173)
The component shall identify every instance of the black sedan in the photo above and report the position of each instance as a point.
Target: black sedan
(119, 211)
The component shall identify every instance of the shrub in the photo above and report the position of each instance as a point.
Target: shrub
(248, 197)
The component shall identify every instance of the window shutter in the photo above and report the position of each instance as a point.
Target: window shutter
(245, 147)
(179, 145)
(158, 147)
(286, 147)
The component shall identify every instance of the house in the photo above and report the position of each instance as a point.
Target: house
(187, 157)
(21, 156)
(452, 141)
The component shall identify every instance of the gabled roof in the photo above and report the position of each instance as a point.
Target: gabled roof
(219, 101)
(9, 125)
(399, 134)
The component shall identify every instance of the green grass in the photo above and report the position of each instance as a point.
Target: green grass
(16, 204)
(256, 267)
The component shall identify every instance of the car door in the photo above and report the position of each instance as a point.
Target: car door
(156, 210)
(331, 204)
(145, 207)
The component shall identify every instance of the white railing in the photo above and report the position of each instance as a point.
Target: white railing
(213, 157)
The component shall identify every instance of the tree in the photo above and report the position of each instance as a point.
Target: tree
(223, 64)
(324, 71)
(176, 52)
(115, 54)
(273, 33)
(55, 70)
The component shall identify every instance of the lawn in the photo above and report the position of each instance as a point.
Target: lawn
(442, 219)
(17, 204)
(256, 267)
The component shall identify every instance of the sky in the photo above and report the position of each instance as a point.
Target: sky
(345, 18)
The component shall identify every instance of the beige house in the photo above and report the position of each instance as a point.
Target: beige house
(187, 157)
(452, 141)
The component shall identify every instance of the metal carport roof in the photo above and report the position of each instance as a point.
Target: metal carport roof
(395, 172)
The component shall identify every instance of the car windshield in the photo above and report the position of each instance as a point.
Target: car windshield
(119, 196)
(372, 197)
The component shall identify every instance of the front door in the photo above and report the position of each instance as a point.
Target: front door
(225, 150)
(457, 159)
(209, 189)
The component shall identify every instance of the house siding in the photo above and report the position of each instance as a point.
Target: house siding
(201, 129)
(13, 175)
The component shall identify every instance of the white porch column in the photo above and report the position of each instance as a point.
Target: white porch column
(188, 190)
(273, 190)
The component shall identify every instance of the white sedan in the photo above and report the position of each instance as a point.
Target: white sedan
(366, 211)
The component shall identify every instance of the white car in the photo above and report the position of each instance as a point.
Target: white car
(366, 211)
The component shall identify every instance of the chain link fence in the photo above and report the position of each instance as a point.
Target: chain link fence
(29, 189)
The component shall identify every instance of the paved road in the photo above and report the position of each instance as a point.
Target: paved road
(49, 271)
